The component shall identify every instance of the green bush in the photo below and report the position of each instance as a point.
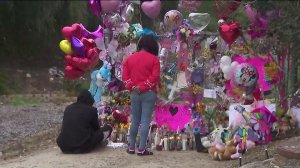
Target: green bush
(19, 100)
(74, 87)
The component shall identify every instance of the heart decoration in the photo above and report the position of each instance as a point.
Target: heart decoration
(173, 110)
(80, 47)
(110, 5)
(74, 30)
(72, 73)
(151, 8)
(198, 21)
(230, 33)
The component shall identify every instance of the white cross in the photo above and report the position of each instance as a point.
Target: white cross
(174, 88)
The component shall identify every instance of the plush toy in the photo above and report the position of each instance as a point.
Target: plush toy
(105, 71)
(223, 152)
(96, 86)
(215, 137)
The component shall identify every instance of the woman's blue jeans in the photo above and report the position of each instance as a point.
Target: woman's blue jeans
(142, 106)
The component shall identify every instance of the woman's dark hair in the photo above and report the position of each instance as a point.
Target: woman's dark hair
(149, 44)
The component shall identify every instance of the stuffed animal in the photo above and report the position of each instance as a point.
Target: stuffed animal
(213, 138)
(105, 71)
(96, 86)
(223, 152)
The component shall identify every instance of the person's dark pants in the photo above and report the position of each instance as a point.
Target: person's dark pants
(91, 144)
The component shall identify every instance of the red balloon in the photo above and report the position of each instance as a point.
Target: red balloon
(88, 43)
(224, 8)
(74, 30)
(73, 73)
(230, 32)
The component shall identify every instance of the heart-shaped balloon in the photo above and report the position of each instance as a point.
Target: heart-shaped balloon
(230, 33)
(78, 47)
(110, 5)
(72, 73)
(95, 7)
(74, 30)
(112, 20)
(92, 35)
(88, 43)
(198, 21)
(151, 8)
(65, 46)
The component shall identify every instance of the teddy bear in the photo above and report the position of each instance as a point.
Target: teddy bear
(223, 152)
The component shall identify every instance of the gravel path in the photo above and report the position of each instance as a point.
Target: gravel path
(22, 121)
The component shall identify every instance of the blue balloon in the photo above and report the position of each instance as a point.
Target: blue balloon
(146, 31)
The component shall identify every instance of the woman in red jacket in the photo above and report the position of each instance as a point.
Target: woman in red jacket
(141, 74)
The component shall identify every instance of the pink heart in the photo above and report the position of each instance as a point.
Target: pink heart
(110, 5)
(151, 8)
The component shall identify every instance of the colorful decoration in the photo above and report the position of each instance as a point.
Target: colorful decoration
(198, 21)
(230, 32)
(173, 19)
(151, 8)
(245, 75)
(174, 116)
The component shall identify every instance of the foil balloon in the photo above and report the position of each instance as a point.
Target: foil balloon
(110, 5)
(65, 46)
(230, 33)
(151, 8)
(112, 20)
(198, 21)
(92, 35)
(173, 19)
(128, 13)
(245, 75)
(78, 47)
(95, 7)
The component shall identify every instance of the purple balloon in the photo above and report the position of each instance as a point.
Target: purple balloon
(78, 47)
(95, 7)
(92, 35)
(108, 6)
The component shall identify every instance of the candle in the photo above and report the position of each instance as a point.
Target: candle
(184, 141)
(166, 143)
(157, 138)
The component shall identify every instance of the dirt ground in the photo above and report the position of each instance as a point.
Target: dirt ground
(32, 144)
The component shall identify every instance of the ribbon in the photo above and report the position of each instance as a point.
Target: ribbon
(183, 60)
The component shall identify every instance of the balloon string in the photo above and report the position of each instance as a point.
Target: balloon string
(141, 16)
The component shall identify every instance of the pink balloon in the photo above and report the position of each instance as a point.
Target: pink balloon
(151, 8)
(251, 13)
(110, 5)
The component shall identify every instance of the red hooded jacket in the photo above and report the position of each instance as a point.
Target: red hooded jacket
(141, 69)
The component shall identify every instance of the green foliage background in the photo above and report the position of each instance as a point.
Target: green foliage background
(30, 30)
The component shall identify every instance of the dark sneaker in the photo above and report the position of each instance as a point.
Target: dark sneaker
(144, 152)
(130, 150)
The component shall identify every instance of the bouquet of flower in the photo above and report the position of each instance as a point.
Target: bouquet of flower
(184, 33)
(119, 118)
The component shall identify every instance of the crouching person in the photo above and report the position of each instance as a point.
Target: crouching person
(80, 132)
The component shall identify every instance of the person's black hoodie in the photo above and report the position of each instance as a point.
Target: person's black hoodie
(80, 121)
